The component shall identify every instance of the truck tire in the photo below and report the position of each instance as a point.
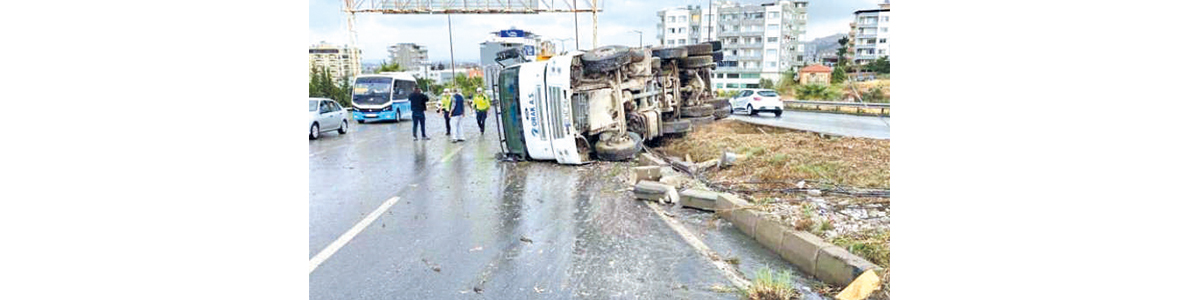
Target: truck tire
(718, 56)
(705, 110)
(701, 120)
(637, 54)
(670, 53)
(623, 150)
(699, 49)
(692, 62)
(605, 58)
(721, 109)
(716, 45)
(677, 126)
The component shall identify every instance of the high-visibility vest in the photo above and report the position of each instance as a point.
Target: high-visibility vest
(446, 101)
(482, 102)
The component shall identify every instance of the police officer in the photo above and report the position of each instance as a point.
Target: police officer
(444, 107)
(481, 103)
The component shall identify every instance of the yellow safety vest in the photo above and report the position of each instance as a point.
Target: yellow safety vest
(482, 102)
(446, 102)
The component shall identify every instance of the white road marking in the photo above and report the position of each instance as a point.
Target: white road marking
(346, 237)
(729, 271)
(451, 154)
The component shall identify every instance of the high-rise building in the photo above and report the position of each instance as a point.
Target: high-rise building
(341, 61)
(869, 34)
(409, 56)
(527, 41)
(758, 41)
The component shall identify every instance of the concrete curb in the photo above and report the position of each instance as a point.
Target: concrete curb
(828, 262)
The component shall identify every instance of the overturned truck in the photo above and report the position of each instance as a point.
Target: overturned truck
(604, 103)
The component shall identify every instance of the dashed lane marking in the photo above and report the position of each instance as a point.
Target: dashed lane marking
(316, 261)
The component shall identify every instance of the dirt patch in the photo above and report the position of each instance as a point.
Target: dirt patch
(805, 180)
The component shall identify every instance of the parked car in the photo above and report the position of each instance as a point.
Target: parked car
(325, 115)
(753, 101)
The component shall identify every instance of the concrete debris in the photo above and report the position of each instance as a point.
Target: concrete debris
(704, 166)
(687, 157)
(655, 191)
(698, 199)
(727, 159)
(861, 287)
(672, 180)
(800, 184)
(647, 159)
(651, 173)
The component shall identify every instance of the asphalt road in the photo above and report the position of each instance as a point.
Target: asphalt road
(466, 225)
(830, 123)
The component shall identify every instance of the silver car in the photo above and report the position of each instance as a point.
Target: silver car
(325, 115)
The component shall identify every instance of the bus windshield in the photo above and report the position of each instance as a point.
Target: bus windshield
(372, 90)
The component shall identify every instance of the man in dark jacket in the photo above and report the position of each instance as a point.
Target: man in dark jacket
(418, 100)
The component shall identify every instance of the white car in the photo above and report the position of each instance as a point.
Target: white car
(753, 101)
(325, 115)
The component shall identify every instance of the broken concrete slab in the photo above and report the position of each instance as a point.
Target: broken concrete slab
(861, 288)
(709, 164)
(647, 159)
(651, 173)
(698, 199)
(672, 180)
(655, 191)
(838, 266)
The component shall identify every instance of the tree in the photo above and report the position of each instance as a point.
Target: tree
(880, 66)
(392, 67)
(467, 84)
(839, 75)
(321, 84)
(766, 83)
(839, 70)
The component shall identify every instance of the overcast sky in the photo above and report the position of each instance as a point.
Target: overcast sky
(327, 22)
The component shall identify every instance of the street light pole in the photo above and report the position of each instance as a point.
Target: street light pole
(639, 32)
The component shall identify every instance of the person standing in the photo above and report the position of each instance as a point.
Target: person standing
(456, 117)
(444, 108)
(481, 103)
(418, 100)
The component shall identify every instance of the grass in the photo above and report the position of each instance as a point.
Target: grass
(873, 246)
(769, 284)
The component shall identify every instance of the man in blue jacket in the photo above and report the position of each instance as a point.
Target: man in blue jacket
(418, 100)
(456, 117)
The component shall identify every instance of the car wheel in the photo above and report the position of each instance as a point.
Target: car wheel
(750, 108)
(778, 113)
(342, 129)
(314, 131)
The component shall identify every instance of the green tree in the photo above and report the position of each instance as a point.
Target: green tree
(816, 92)
(467, 84)
(766, 83)
(321, 84)
(839, 75)
(880, 66)
(390, 67)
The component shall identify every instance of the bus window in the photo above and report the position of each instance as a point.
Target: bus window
(401, 89)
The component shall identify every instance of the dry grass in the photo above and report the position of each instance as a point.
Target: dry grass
(772, 154)
(769, 285)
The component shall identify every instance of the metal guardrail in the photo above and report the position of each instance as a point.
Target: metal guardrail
(884, 108)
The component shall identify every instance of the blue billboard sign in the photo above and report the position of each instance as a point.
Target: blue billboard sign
(512, 33)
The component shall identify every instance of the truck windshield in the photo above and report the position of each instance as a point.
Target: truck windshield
(372, 90)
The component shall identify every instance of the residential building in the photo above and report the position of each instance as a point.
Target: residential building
(815, 74)
(409, 56)
(758, 41)
(502, 40)
(341, 61)
(869, 34)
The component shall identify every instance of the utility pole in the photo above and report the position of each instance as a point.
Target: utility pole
(575, 5)
(710, 20)
(450, 28)
(595, 38)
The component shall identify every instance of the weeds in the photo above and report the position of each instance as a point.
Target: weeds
(873, 246)
(771, 285)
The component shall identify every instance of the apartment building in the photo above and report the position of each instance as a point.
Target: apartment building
(758, 41)
(869, 38)
(341, 61)
(527, 41)
(409, 56)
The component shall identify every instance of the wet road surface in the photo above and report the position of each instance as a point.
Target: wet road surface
(830, 123)
(466, 225)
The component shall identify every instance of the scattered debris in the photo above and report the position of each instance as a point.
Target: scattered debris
(655, 191)
(527, 240)
(652, 173)
(538, 290)
(477, 248)
(861, 287)
(722, 288)
(727, 159)
(647, 159)
(478, 290)
(434, 267)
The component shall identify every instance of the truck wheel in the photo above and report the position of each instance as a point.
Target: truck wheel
(716, 45)
(605, 58)
(721, 111)
(637, 54)
(699, 49)
(669, 53)
(623, 150)
(692, 62)
(697, 111)
(701, 120)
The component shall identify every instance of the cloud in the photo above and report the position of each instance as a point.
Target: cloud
(376, 32)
